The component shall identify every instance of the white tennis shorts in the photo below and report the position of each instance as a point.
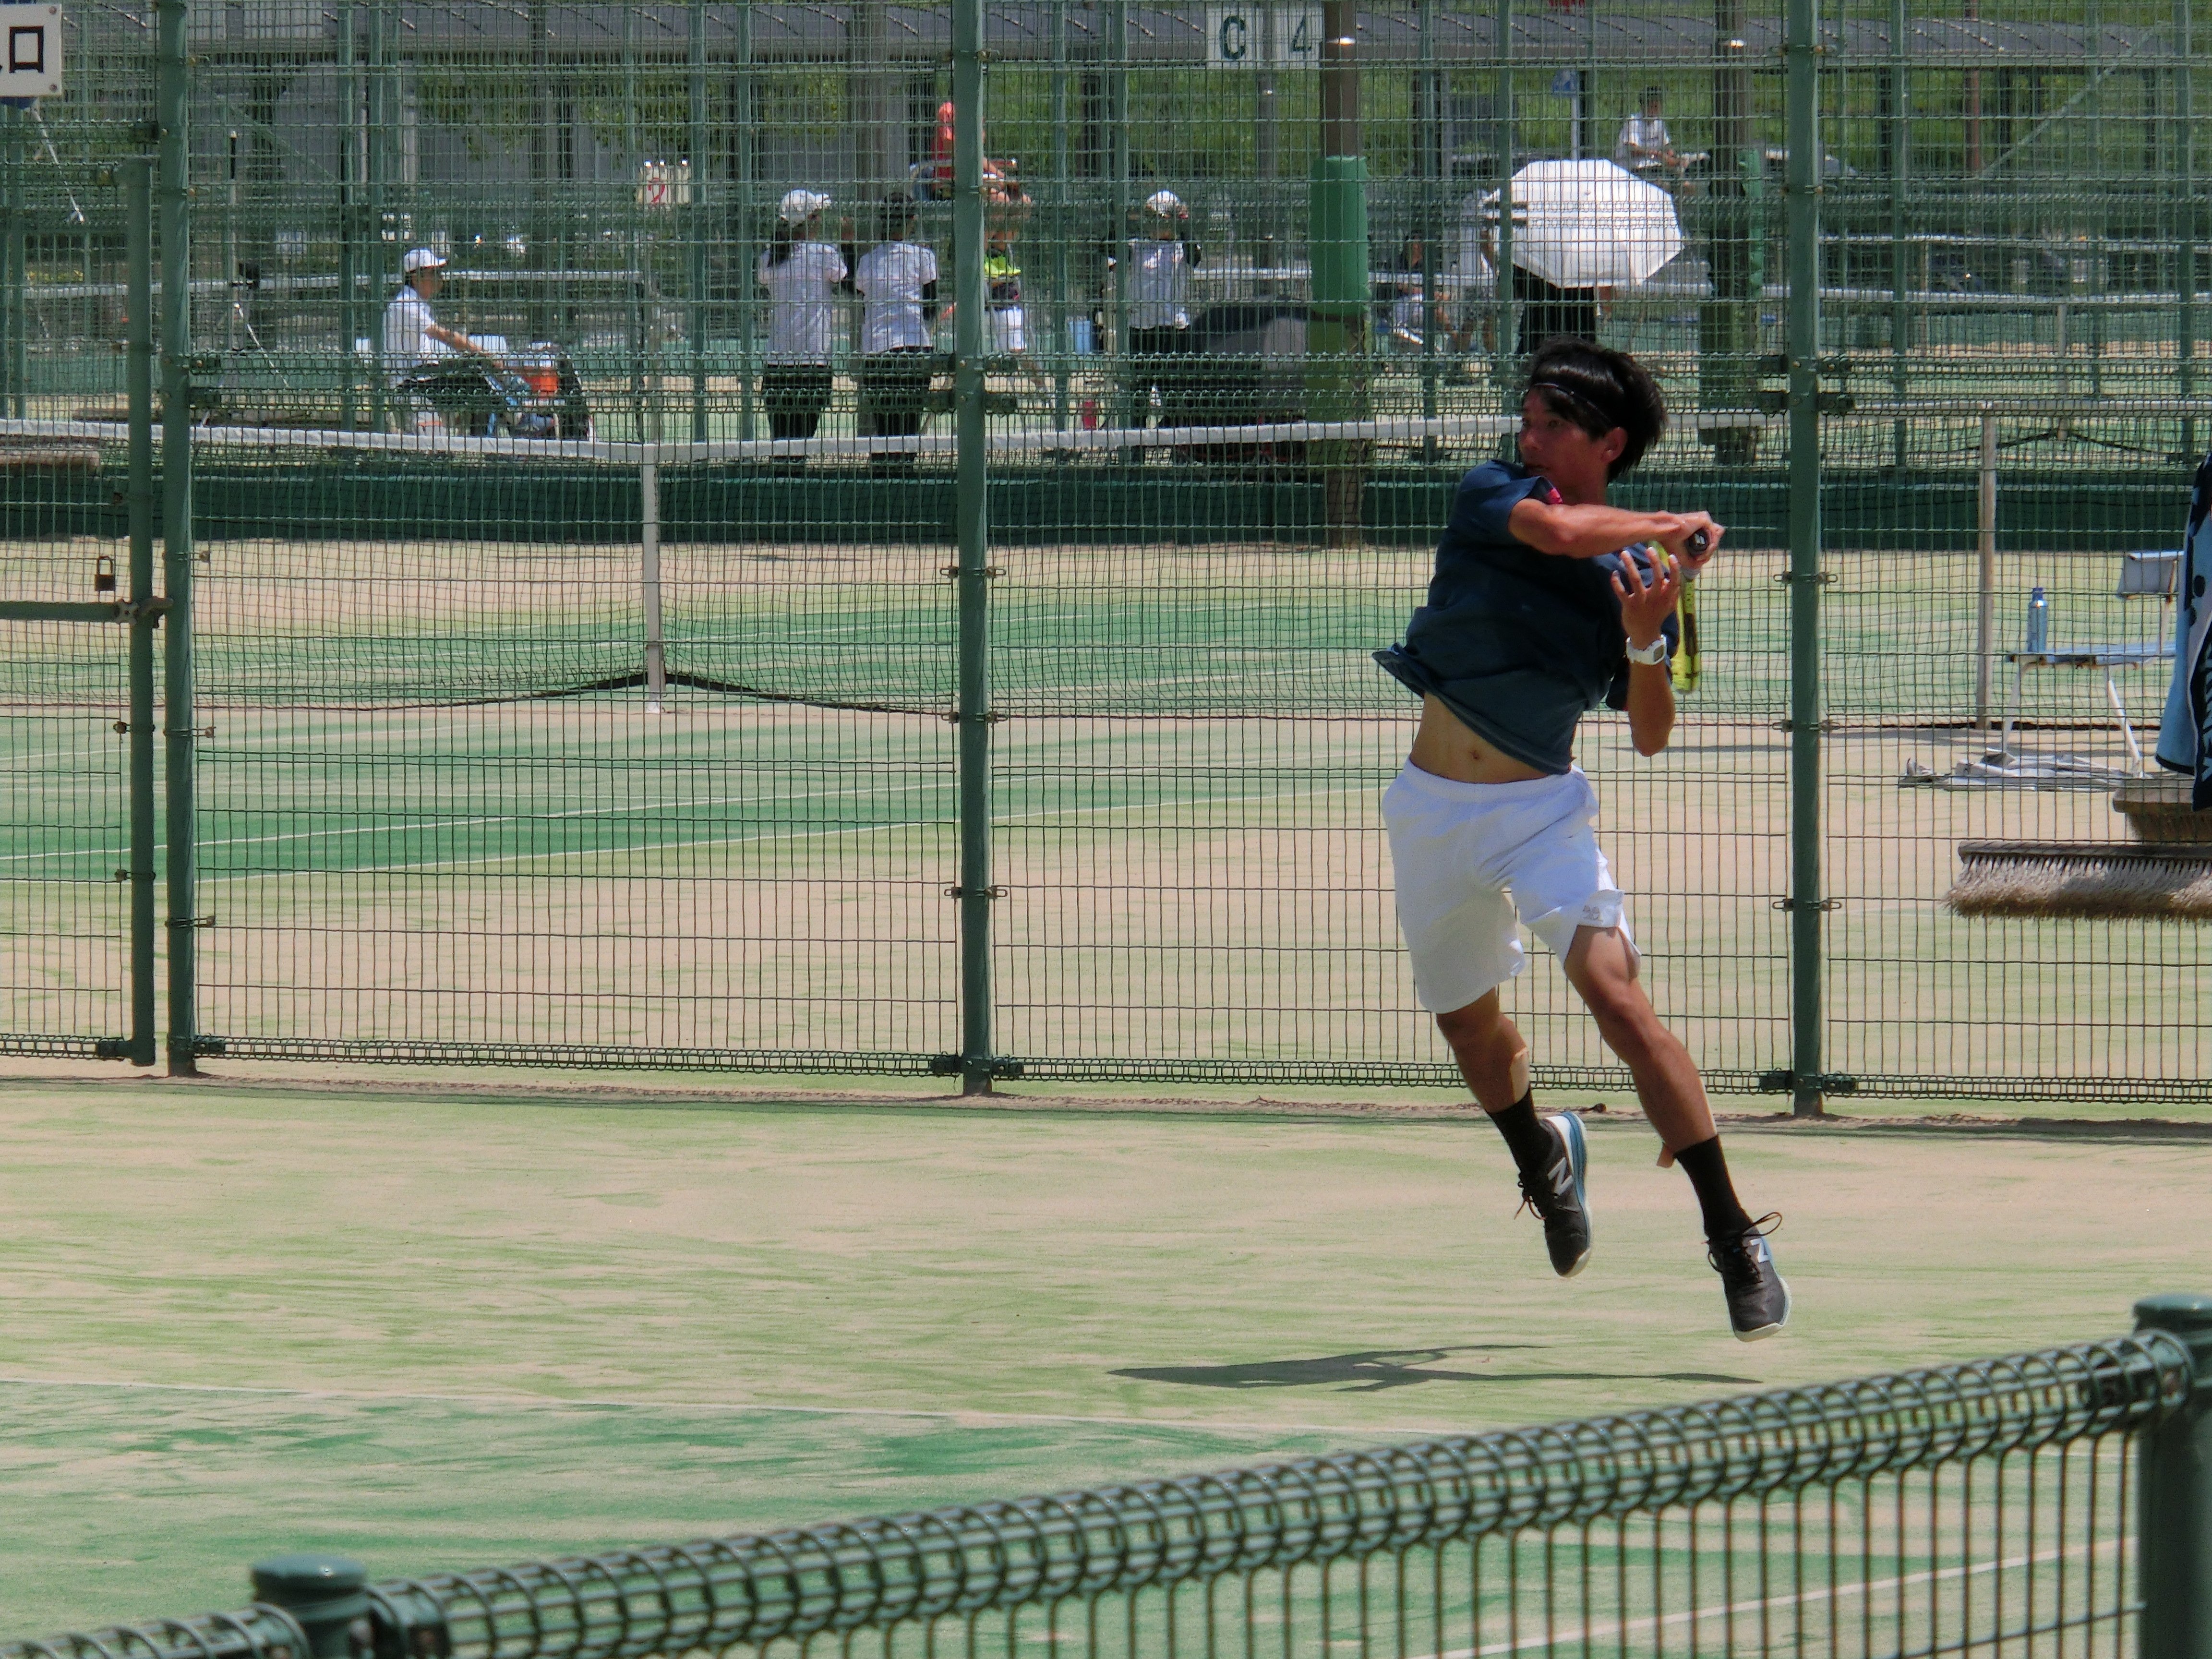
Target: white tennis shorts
(1468, 856)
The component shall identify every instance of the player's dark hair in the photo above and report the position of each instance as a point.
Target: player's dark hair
(781, 241)
(1598, 389)
(898, 216)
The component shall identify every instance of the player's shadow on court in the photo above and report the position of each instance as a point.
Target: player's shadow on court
(1386, 1368)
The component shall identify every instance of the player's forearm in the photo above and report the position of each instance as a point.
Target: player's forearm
(1587, 531)
(1650, 707)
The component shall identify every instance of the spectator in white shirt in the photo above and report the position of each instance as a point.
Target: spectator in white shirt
(413, 336)
(1160, 263)
(897, 281)
(1644, 146)
(802, 276)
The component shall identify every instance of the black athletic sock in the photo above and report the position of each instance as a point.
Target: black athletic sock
(1707, 1167)
(1532, 1144)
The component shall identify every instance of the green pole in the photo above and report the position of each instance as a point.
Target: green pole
(1336, 336)
(2173, 1491)
(1430, 119)
(1117, 128)
(1900, 175)
(1056, 336)
(695, 219)
(2184, 195)
(178, 713)
(741, 117)
(12, 333)
(352, 165)
(1728, 324)
(1502, 273)
(971, 509)
(138, 379)
(1806, 906)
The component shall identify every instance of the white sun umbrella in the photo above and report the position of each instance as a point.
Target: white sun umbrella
(1590, 224)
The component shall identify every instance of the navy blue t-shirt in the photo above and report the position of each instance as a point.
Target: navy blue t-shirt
(1517, 643)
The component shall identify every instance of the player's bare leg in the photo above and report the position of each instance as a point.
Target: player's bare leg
(1551, 1153)
(1602, 969)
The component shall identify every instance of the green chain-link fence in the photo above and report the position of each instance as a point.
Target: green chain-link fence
(1021, 716)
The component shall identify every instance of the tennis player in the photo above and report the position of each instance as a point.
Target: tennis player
(1547, 603)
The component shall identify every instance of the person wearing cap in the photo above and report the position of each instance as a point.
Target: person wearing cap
(413, 336)
(897, 281)
(802, 275)
(1160, 263)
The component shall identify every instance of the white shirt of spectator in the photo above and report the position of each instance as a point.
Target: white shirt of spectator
(1475, 232)
(1644, 133)
(801, 302)
(1159, 278)
(890, 277)
(407, 337)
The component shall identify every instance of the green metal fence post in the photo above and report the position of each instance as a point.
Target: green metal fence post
(2174, 1496)
(139, 382)
(173, 104)
(1806, 906)
(972, 515)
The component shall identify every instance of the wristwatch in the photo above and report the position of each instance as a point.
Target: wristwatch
(1653, 655)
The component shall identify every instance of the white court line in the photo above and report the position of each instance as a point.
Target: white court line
(538, 1402)
(1767, 1603)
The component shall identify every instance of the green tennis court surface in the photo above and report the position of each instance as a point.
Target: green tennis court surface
(433, 1330)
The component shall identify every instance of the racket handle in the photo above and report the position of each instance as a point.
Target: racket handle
(1697, 542)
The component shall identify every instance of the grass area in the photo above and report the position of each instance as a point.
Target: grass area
(436, 1327)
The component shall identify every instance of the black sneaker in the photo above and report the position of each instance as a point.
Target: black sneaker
(1559, 1199)
(1758, 1300)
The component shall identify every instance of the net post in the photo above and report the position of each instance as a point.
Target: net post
(971, 511)
(2173, 1461)
(178, 711)
(1807, 909)
(326, 1595)
(138, 380)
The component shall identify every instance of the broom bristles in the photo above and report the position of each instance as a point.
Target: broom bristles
(2084, 880)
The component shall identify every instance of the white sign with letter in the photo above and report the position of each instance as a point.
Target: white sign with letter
(30, 51)
(1236, 35)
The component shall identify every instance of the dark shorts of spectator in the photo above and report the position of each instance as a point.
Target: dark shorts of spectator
(794, 395)
(894, 387)
(1548, 310)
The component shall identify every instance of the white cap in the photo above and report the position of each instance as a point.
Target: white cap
(798, 206)
(420, 258)
(1165, 203)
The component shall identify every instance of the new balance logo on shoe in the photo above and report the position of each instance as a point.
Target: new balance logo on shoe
(1563, 1210)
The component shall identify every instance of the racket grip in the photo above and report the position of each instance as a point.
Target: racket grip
(1697, 542)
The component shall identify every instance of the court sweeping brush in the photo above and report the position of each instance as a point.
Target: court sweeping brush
(2085, 880)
